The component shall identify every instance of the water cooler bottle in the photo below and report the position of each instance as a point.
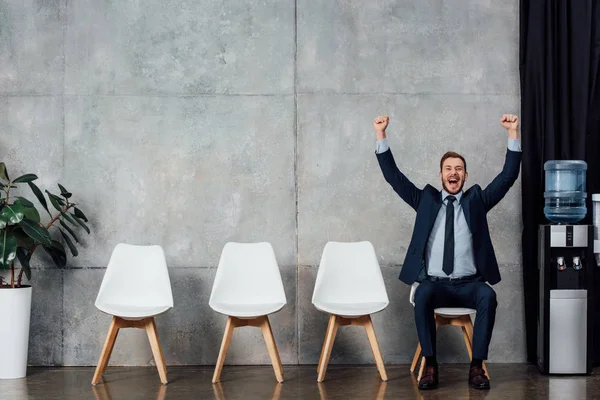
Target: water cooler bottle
(566, 269)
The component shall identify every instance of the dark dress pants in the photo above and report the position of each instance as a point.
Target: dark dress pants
(474, 294)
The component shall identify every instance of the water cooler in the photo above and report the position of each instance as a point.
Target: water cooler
(567, 266)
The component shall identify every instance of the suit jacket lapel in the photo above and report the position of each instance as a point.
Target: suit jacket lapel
(434, 209)
(466, 204)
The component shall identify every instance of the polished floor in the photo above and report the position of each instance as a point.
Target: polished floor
(509, 381)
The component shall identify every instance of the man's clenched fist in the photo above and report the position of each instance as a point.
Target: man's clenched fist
(510, 122)
(380, 124)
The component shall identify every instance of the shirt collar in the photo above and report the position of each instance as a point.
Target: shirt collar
(457, 195)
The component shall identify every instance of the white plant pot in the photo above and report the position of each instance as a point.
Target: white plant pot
(15, 313)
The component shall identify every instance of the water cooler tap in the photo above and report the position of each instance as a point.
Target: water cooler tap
(577, 264)
(560, 263)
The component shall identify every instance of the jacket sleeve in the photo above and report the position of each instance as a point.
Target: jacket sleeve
(400, 183)
(498, 188)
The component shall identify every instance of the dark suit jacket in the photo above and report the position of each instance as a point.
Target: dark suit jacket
(475, 202)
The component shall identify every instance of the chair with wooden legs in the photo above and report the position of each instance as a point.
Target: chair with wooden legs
(454, 316)
(247, 289)
(350, 288)
(135, 289)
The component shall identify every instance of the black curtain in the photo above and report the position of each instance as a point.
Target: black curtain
(560, 114)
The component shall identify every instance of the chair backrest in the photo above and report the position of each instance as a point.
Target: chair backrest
(247, 272)
(349, 273)
(136, 276)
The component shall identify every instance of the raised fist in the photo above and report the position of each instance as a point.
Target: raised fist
(510, 122)
(380, 124)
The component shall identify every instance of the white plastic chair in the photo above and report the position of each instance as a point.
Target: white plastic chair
(135, 289)
(247, 289)
(456, 316)
(350, 287)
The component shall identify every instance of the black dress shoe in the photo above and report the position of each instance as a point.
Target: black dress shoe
(477, 379)
(429, 380)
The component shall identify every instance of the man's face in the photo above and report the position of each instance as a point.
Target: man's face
(453, 175)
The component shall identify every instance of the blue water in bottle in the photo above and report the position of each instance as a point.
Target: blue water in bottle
(564, 198)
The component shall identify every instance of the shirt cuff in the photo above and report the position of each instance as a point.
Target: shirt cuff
(514, 144)
(382, 146)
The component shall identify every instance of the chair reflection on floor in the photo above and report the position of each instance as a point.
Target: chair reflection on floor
(102, 392)
(378, 393)
(219, 392)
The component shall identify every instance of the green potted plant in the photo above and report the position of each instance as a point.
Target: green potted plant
(21, 233)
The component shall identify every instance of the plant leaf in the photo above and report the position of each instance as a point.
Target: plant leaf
(57, 252)
(40, 196)
(68, 228)
(8, 250)
(25, 178)
(80, 222)
(68, 218)
(80, 214)
(69, 243)
(11, 214)
(24, 257)
(23, 240)
(36, 232)
(54, 201)
(32, 214)
(29, 211)
(64, 192)
(3, 172)
(25, 202)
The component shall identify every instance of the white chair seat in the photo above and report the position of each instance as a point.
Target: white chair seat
(246, 310)
(351, 309)
(453, 311)
(131, 311)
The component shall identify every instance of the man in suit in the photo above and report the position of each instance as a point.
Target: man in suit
(451, 253)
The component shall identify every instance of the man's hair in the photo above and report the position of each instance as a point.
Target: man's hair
(452, 154)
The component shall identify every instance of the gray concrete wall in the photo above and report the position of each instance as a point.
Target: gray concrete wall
(189, 124)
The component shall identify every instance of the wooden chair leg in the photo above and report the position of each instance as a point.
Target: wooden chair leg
(328, 346)
(468, 343)
(416, 358)
(107, 349)
(468, 324)
(159, 358)
(486, 370)
(272, 348)
(421, 369)
(439, 321)
(329, 326)
(224, 346)
(368, 324)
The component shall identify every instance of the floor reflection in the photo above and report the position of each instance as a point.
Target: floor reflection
(377, 391)
(220, 392)
(102, 391)
(563, 387)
